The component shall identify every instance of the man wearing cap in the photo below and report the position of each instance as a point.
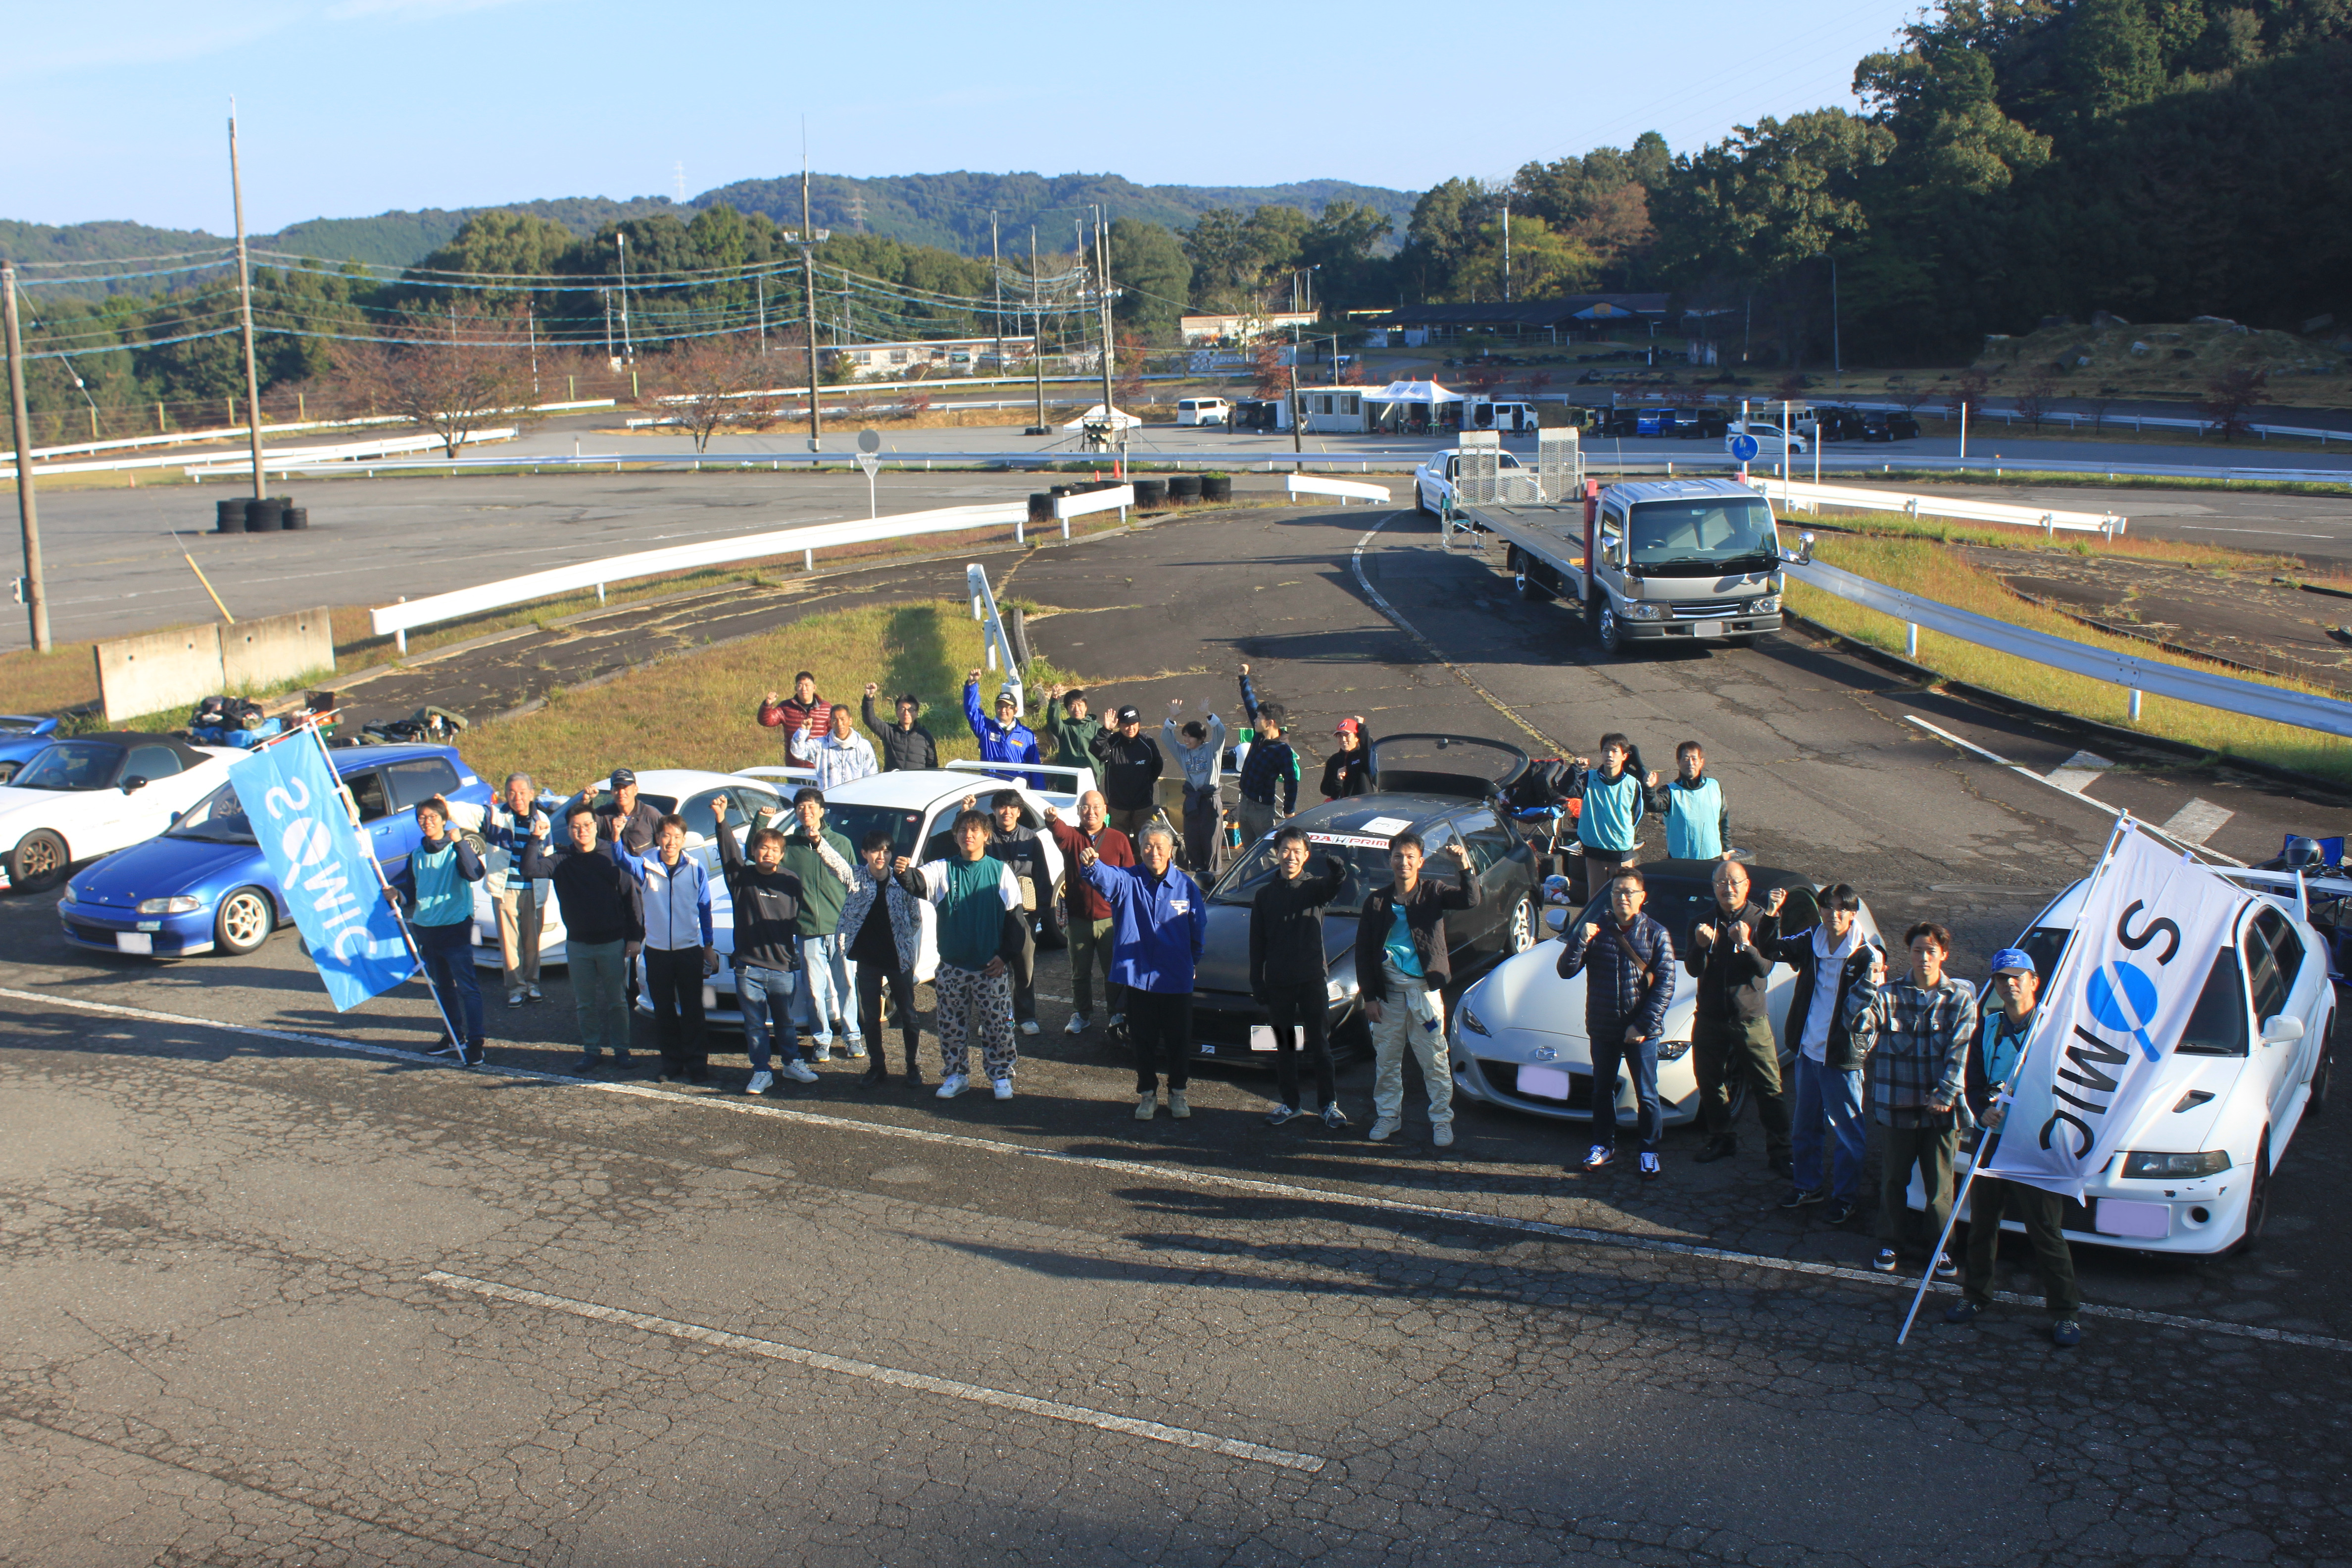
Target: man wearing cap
(1994, 1052)
(1200, 750)
(639, 821)
(1348, 771)
(1005, 739)
(1129, 763)
(1269, 781)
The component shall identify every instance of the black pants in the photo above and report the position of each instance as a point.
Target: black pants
(1024, 976)
(674, 977)
(871, 978)
(1300, 1007)
(1723, 1050)
(1203, 812)
(2045, 1215)
(1161, 1024)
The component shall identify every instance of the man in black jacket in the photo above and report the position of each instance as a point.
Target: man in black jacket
(905, 744)
(1628, 963)
(767, 948)
(1731, 1032)
(1401, 966)
(1131, 765)
(1018, 846)
(1290, 974)
(604, 912)
(1825, 1058)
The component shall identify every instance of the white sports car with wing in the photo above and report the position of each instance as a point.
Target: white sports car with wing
(92, 795)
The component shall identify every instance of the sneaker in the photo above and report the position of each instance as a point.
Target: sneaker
(799, 1072)
(762, 1082)
(1884, 1260)
(514, 998)
(532, 991)
(856, 1049)
(819, 1050)
(1002, 1086)
(1945, 1268)
(472, 1054)
(1333, 1116)
(1116, 1021)
(1383, 1129)
(623, 1062)
(1802, 1197)
(585, 1065)
(1028, 1025)
(1598, 1156)
(448, 1048)
(1441, 1135)
(2065, 1333)
(1281, 1116)
(952, 1085)
(1716, 1149)
(1838, 1213)
(1178, 1106)
(1076, 1026)
(1961, 1311)
(1147, 1105)
(1650, 1168)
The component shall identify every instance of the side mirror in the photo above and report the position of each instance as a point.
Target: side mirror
(1804, 555)
(2281, 1031)
(135, 781)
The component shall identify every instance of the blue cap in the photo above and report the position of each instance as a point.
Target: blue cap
(2012, 959)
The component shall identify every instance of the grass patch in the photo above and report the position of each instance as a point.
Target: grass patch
(2006, 536)
(1935, 571)
(2072, 480)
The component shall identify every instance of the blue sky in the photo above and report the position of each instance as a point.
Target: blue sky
(353, 107)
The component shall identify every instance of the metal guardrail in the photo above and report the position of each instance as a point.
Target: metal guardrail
(1796, 494)
(227, 433)
(1117, 498)
(400, 619)
(2098, 422)
(1346, 490)
(2246, 698)
(992, 635)
(229, 464)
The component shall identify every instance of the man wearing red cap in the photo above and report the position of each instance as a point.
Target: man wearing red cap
(1349, 770)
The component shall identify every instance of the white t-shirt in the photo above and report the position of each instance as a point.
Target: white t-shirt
(1828, 965)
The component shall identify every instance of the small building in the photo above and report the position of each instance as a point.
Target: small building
(1206, 330)
(930, 357)
(1564, 320)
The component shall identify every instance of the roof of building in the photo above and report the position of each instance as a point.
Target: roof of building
(1529, 312)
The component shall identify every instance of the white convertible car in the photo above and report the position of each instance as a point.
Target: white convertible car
(1518, 1035)
(92, 795)
(2254, 1059)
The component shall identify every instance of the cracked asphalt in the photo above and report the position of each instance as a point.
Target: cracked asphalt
(224, 1345)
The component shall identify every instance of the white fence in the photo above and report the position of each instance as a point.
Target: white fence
(1346, 490)
(1117, 498)
(401, 618)
(1797, 495)
(229, 433)
(2179, 682)
(229, 465)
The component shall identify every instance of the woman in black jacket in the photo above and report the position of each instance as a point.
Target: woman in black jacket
(1348, 771)
(1290, 974)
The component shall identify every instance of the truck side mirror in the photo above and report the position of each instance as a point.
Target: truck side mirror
(1804, 555)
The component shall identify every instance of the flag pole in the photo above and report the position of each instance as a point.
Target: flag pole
(1985, 1146)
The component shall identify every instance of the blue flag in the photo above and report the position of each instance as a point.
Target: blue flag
(298, 814)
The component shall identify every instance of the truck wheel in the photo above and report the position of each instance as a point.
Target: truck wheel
(1523, 577)
(1611, 633)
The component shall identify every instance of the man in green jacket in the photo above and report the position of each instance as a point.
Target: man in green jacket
(1074, 729)
(827, 988)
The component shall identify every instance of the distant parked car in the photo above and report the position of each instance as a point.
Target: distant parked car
(1654, 422)
(1701, 424)
(23, 737)
(1770, 440)
(1894, 426)
(1832, 423)
(91, 795)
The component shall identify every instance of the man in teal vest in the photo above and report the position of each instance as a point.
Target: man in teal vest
(438, 886)
(1612, 818)
(1699, 822)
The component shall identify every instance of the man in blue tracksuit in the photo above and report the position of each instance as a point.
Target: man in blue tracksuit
(1160, 924)
(1628, 963)
(1609, 823)
(681, 952)
(438, 886)
(1004, 738)
(1699, 822)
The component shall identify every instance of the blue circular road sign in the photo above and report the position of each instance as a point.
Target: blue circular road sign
(1743, 448)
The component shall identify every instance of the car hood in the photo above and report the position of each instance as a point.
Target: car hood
(1226, 955)
(1525, 999)
(165, 868)
(2165, 1130)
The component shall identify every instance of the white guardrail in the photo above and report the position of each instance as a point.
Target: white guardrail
(1346, 490)
(993, 638)
(1797, 495)
(229, 433)
(229, 464)
(400, 619)
(2246, 698)
(1117, 498)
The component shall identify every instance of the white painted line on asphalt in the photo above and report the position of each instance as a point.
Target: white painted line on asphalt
(721, 1338)
(755, 1106)
(2197, 821)
(2077, 773)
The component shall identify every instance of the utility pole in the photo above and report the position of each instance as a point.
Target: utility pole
(1506, 250)
(808, 292)
(1102, 303)
(606, 295)
(1036, 327)
(531, 319)
(759, 285)
(37, 598)
(1298, 402)
(628, 349)
(244, 311)
(996, 282)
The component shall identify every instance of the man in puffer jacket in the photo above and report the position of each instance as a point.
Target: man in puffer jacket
(882, 922)
(1628, 963)
(767, 897)
(437, 886)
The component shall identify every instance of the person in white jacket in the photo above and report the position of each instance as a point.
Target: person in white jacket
(839, 755)
(1200, 750)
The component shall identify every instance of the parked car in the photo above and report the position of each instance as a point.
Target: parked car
(78, 799)
(1831, 422)
(1770, 440)
(202, 886)
(1654, 422)
(2254, 1058)
(1202, 411)
(1443, 787)
(1889, 426)
(23, 736)
(1432, 482)
(1701, 424)
(1518, 1035)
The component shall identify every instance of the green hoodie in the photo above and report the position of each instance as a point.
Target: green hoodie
(823, 893)
(1074, 739)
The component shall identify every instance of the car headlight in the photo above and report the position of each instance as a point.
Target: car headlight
(1642, 611)
(1470, 1023)
(179, 904)
(1334, 991)
(2149, 1164)
(1770, 604)
(1672, 1050)
(69, 896)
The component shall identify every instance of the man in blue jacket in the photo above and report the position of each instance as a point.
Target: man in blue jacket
(680, 950)
(1160, 924)
(1004, 738)
(1628, 963)
(437, 886)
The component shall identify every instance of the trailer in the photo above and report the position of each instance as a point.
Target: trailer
(1674, 562)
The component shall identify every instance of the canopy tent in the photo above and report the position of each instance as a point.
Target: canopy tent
(1412, 406)
(1120, 419)
(1426, 393)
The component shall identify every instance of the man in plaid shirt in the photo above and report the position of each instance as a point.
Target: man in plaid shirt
(1916, 1031)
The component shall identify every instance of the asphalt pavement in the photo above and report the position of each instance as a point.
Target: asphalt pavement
(282, 1290)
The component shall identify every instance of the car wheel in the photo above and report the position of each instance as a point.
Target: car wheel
(1612, 634)
(1420, 500)
(1519, 926)
(39, 862)
(244, 921)
(1525, 579)
(2258, 1198)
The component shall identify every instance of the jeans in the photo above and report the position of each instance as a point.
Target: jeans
(449, 965)
(1396, 1031)
(601, 997)
(2043, 1213)
(1257, 818)
(1203, 814)
(871, 979)
(1300, 1007)
(766, 997)
(1161, 1024)
(519, 917)
(673, 980)
(1825, 1093)
(1090, 946)
(1609, 1052)
(1723, 1050)
(828, 990)
(1930, 1149)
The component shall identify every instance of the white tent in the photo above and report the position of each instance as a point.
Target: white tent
(1412, 406)
(1422, 392)
(1120, 419)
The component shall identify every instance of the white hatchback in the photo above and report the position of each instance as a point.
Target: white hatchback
(91, 794)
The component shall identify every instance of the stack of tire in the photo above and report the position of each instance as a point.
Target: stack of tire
(259, 515)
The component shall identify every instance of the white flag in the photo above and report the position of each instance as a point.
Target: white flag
(2151, 924)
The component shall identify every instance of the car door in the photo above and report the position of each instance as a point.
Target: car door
(391, 836)
(133, 816)
(2274, 960)
(1496, 856)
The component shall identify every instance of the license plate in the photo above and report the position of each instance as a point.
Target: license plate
(1543, 1083)
(134, 942)
(1706, 628)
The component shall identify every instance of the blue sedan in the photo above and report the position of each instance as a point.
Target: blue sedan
(23, 736)
(202, 886)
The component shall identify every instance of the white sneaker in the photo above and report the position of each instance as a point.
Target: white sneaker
(1443, 1135)
(800, 1072)
(1028, 1025)
(762, 1082)
(1003, 1086)
(953, 1085)
(1382, 1129)
(1076, 1026)
(532, 991)
(1178, 1106)
(856, 1049)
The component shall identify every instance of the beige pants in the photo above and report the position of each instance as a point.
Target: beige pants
(518, 923)
(1398, 1028)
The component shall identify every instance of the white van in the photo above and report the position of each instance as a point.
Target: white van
(1203, 411)
(1511, 418)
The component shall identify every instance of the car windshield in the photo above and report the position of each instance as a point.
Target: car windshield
(1366, 858)
(2216, 1027)
(1715, 534)
(855, 822)
(70, 764)
(218, 818)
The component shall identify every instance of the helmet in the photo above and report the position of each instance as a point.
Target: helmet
(1558, 890)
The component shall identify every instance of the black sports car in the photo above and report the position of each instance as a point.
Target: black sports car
(1445, 787)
